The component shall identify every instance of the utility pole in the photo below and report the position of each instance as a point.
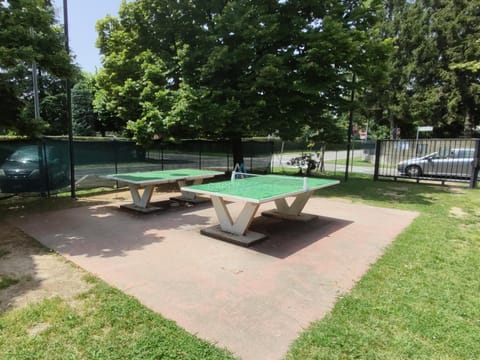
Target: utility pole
(350, 127)
(69, 106)
(36, 101)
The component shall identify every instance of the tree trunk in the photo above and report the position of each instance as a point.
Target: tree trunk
(469, 123)
(237, 152)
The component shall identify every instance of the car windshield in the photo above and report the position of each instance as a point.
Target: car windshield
(26, 154)
(433, 155)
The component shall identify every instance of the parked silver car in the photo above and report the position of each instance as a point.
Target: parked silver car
(457, 163)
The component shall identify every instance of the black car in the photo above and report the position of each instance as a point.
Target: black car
(33, 168)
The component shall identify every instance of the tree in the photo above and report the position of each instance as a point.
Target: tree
(28, 34)
(53, 103)
(84, 119)
(11, 104)
(434, 70)
(106, 119)
(458, 29)
(230, 69)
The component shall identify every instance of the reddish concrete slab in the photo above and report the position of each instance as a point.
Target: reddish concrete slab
(254, 301)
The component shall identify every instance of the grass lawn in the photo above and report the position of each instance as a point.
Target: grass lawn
(356, 162)
(104, 324)
(421, 300)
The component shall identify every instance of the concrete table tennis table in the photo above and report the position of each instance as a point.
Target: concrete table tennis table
(149, 179)
(254, 191)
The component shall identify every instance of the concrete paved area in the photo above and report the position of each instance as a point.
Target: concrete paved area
(254, 301)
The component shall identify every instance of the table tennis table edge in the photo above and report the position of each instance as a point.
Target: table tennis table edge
(160, 181)
(258, 201)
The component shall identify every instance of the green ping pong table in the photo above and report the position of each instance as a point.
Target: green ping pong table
(253, 191)
(149, 179)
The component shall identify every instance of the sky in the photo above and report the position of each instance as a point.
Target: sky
(82, 16)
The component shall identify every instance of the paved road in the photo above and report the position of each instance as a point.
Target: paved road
(280, 160)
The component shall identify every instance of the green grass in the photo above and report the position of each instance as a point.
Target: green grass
(421, 300)
(360, 163)
(295, 171)
(355, 162)
(6, 281)
(104, 324)
(4, 253)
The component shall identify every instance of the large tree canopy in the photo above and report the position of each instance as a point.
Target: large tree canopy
(28, 34)
(435, 69)
(227, 69)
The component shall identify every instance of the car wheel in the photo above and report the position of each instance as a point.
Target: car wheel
(413, 171)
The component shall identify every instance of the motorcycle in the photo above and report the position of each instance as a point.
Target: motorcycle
(305, 162)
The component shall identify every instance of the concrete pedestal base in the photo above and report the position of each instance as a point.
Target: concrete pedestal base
(195, 200)
(300, 217)
(153, 206)
(147, 210)
(246, 240)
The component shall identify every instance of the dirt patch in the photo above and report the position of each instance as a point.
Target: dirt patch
(457, 212)
(31, 272)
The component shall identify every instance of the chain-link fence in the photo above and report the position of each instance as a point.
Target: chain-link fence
(44, 166)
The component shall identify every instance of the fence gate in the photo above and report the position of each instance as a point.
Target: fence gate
(444, 160)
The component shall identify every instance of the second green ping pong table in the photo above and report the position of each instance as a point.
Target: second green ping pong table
(254, 190)
(147, 181)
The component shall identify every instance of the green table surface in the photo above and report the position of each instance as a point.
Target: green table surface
(261, 188)
(162, 175)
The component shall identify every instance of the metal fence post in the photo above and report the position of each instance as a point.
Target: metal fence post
(161, 156)
(115, 155)
(475, 166)
(115, 159)
(272, 154)
(377, 159)
(43, 168)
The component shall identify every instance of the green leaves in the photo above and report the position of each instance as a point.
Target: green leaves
(83, 117)
(435, 68)
(29, 33)
(235, 68)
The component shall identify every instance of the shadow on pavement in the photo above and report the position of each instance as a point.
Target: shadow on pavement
(285, 238)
